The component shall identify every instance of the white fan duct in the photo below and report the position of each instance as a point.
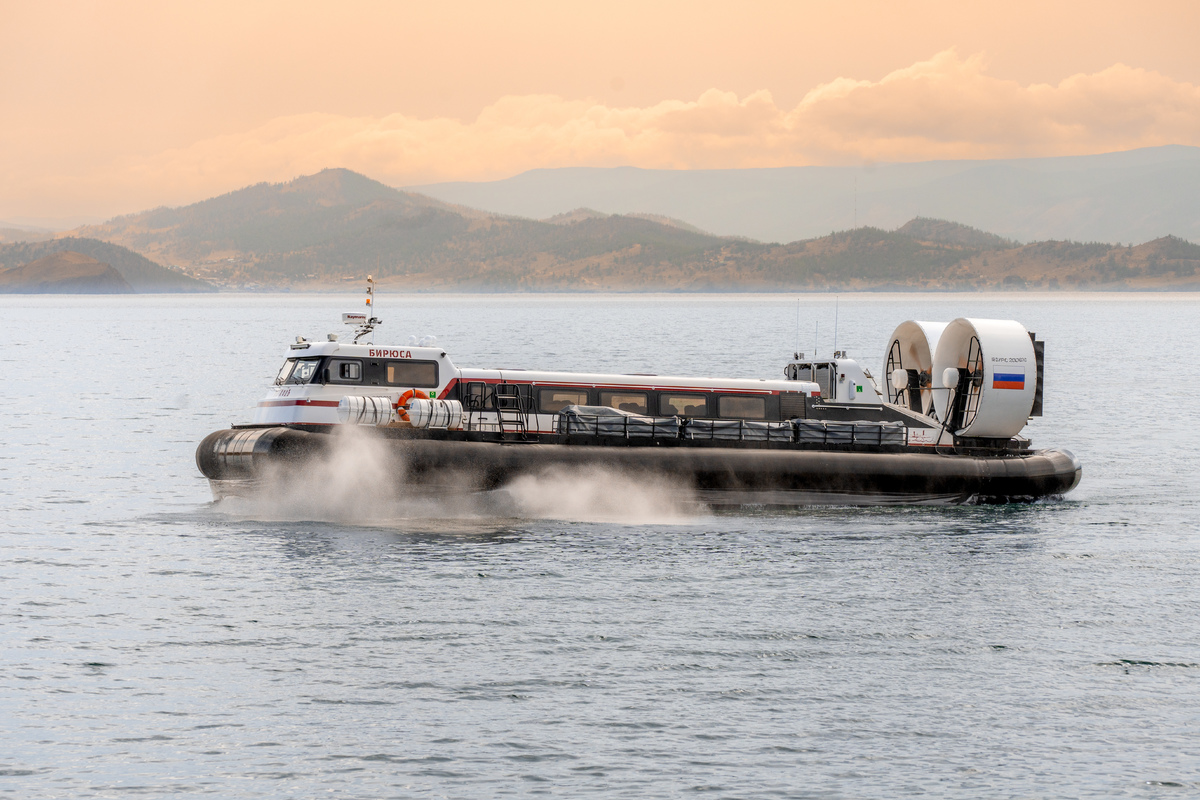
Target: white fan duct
(908, 365)
(986, 374)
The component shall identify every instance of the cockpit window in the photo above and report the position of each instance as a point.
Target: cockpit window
(304, 370)
(285, 371)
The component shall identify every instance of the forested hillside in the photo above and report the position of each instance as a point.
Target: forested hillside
(338, 226)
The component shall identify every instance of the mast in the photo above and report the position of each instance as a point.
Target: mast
(366, 322)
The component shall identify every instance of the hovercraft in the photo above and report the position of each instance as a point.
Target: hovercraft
(944, 428)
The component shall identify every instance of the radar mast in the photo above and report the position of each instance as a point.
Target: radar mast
(366, 322)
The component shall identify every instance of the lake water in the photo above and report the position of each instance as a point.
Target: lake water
(606, 643)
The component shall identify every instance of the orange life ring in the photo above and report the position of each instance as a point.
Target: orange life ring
(402, 403)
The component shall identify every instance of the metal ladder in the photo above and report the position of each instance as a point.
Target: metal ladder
(512, 410)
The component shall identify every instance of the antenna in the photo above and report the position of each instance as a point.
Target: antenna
(835, 315)
(816, 334)
(797, 325)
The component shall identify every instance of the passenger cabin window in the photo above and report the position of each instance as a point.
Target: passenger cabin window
(304, 370)
(412, 373)
(683, 405)
(552, 401)
(344, 370)
(285, 371)
(734, 407)
(635, 403)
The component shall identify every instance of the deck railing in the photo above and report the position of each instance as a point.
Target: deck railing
(636, 426)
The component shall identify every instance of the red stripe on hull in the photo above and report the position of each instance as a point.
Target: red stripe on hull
(299, 402)
(645, 387)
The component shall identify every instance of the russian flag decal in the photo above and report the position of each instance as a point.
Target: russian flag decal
(1008, 380)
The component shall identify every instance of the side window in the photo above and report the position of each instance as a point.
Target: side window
(515, 396)
(823, 375)
(475, 396)
(734, 407)
(683, 405)
(552, 401)
(345, 370)
(633, 402)
(412, 373)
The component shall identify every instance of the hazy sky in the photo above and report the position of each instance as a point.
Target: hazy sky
(112, 107)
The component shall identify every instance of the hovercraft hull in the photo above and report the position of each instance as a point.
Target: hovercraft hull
(236, 461)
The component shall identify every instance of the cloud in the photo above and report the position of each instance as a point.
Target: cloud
(944, 108)
(949, 107)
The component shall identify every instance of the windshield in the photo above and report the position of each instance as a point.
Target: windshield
(304, 370)
(284, 371)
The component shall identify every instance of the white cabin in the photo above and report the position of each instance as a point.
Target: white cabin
(841, 379)
(317, 375)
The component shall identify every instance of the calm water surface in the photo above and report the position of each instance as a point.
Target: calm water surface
(155, 644)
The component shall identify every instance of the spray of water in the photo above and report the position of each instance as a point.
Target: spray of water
(350, 481)
(360, 480)
(599, 495)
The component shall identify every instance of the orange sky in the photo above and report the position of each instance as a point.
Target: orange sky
(113, 107)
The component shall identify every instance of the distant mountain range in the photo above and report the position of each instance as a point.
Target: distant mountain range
(1132, 196)
(64, 272)
(12, 232)
(140, 273)
(337, 226)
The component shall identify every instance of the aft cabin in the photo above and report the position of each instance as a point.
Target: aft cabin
(841, 378)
